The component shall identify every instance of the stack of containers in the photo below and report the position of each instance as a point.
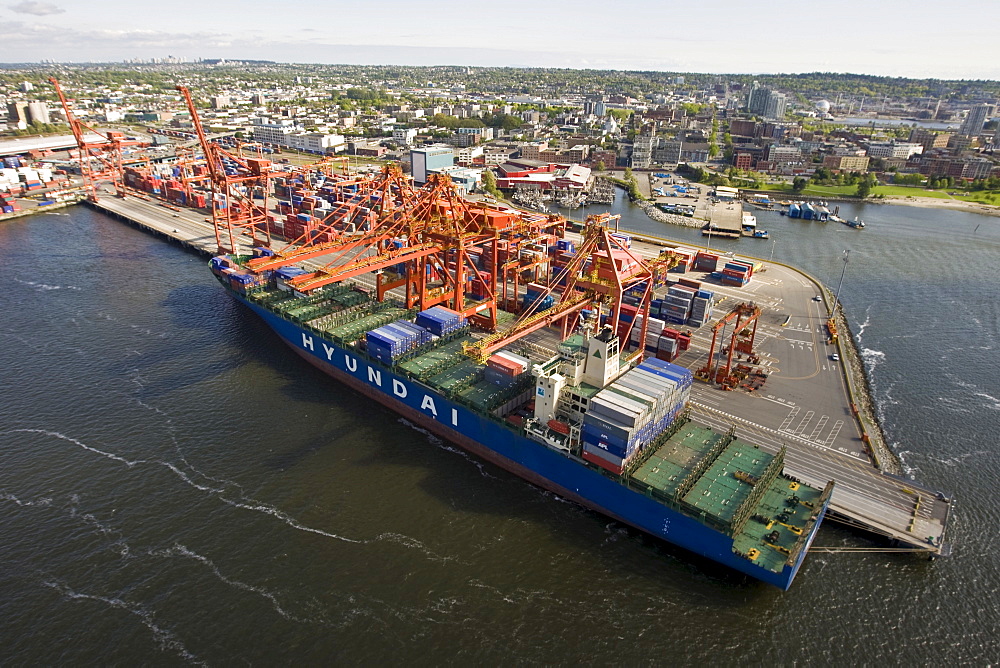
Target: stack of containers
(198, 199)
(534, 290)
(626, 315)
(632, 412)
(623, 239)
(706, 261)
(686, 256)
(8, 178)
(653, 331)
(736, 273)
(676, 306)
(667, 348)
(614, 428)
(219, 264)
(565, 246)
(285, 274)
(30, 178)
(504, 368)
(8, 204)
(241, 281)
(701, 308)
(389, 342)
(440, 321)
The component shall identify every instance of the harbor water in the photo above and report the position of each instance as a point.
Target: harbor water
(178, 487)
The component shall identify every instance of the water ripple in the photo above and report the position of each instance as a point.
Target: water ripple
(165, 638)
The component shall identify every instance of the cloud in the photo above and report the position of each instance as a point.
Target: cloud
(37, 8)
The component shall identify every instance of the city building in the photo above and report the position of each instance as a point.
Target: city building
(274, 133)
(497, 155)
(595, 107)
(847, 163)
(533, 150)
(974, 122)
(287, 133)
(778, 153)
(765, 102)
(893, 149)
(468, 154)
(929, 139)
(425, 160)
(22, 114)
(775, 106)
(404, 136)
(537, 175)
(465, 180)
(958, 168)
(608, 158)
(667, 152)
(642, 151)
(743, 161)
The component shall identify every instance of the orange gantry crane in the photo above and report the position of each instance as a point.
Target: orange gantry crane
(746, 316)
(100, 159)
(602, 270)
(240, 190)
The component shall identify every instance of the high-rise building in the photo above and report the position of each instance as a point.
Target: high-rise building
(974, 122)
(766, 102)
(775, 105)
(596, 107)
(38, 112)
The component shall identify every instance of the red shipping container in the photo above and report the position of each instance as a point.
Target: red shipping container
(603, 463)
(504, 365)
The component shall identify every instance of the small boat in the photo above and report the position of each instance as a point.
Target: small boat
(857, 223)
(760, 234)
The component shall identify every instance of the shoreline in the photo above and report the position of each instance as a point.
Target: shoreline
(939, 203)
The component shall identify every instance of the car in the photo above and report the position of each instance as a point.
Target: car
(817, 298)
(835, 357)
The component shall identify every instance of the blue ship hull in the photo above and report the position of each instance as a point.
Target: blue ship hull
(506, 446)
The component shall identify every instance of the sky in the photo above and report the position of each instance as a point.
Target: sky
(915, 38)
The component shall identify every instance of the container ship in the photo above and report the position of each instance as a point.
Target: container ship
(491, 329)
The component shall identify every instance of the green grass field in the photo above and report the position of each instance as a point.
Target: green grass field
(785, 189)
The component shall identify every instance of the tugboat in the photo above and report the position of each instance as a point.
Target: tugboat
(857, 223)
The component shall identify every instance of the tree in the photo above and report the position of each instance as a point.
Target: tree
(798, 184)
(628, 174)
(600, 166)
(490, 184)
(865, 186)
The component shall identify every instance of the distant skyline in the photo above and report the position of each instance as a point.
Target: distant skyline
(918, 38)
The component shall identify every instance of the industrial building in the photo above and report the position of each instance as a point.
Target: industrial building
(426, 160)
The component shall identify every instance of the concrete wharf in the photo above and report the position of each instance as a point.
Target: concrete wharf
(912, 516)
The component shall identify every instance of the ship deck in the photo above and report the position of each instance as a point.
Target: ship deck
(711, 474)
